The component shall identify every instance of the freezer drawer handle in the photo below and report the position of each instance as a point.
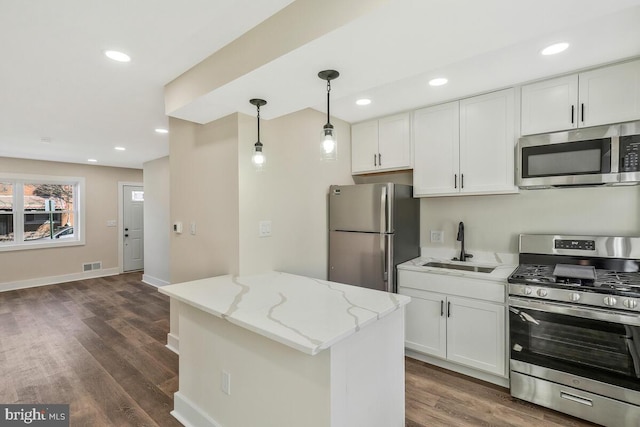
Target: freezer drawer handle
(577, 399)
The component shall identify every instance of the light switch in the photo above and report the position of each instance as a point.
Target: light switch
(437, 236)
(264, 229)
(111, 223)
(192, 228)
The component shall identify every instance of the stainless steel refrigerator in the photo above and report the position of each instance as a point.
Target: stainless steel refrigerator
(372, 229)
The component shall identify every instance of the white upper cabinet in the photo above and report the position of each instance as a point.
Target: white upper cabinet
(487, 143)
(381, 145)
(598, 97)
(610, 94)
(436, 135)
(364, 146)
(550, 105)
(465, 147)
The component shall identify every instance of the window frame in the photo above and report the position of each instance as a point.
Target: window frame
(18, 181)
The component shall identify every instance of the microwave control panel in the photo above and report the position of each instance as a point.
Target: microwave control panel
(629, 150)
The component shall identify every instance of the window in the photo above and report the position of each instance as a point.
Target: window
(40, 211)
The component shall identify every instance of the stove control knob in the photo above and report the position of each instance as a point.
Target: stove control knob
(610, 301)
(630, 303)
(574, 296)
(527, 291)
(542, 292)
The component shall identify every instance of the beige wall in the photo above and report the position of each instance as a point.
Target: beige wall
(492, 223)
(291, 192)
(157, 226)
(214, 184)
(101, 205)
(204, 189)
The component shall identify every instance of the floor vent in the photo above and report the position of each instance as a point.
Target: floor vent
(90, 266)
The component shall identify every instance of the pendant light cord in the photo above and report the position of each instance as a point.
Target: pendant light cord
(328, 103)
(258, 123)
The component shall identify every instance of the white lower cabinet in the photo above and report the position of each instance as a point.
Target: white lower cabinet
(464, 330)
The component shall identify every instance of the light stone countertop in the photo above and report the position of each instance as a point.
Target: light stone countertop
(504, 264)
(306, 314)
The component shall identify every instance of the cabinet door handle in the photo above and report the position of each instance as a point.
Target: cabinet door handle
(582, 113)
(455, 180)
(461, 180)
(441, 308)
(448, 308)
(573, 107)
(374, 160)
(379, 159)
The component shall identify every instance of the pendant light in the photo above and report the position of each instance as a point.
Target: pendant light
(258, 159)
(329, 137)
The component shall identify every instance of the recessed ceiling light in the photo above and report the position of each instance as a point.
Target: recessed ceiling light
(555, 48)
(438, 82)
(160, 130)
(92, 160)
(117, 56)
(119, 148)
(363, 101)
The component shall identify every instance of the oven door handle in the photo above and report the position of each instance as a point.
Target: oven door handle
(631, 319)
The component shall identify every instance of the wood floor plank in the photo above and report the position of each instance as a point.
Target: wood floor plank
(462, 401)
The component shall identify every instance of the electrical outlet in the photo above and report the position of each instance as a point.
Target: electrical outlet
(437, 236)
(225, 383)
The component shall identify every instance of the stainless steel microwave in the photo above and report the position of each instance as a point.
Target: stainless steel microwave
(602, 155)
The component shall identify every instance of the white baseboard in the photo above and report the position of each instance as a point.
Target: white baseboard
(189, 414)
(484, 376)
(173, 343)
(153, 281)
(52, 280)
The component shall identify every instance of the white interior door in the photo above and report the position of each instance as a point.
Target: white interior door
(133, 228)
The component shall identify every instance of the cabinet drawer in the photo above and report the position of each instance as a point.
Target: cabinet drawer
(484, 290)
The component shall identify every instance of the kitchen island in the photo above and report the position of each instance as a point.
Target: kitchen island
(278, 349)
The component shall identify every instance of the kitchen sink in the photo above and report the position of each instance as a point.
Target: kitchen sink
(473, 268)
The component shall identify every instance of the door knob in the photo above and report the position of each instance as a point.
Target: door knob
(126, 229)
(126, 235)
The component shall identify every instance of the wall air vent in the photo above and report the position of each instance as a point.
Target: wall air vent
(90, 266)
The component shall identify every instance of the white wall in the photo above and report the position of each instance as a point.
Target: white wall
(156, 222)
(291, 192)
(492, 223)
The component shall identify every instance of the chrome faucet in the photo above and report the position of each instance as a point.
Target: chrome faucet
(463, 254)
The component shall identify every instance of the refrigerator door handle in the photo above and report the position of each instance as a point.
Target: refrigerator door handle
(387, 262)
(383, 209)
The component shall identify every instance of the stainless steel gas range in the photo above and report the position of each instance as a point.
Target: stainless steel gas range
(574, 326)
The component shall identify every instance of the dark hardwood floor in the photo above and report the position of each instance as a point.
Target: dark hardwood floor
(438, 397)
(98, 345)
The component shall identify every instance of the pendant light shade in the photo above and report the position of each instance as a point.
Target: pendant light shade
(329, 148)
(258, 158)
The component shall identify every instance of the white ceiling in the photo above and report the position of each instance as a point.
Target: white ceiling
(55, 82)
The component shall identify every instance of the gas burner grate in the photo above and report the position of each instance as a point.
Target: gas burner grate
(617, 280)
